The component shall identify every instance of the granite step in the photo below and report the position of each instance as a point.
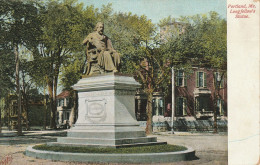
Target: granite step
(106, 141)
(111, 135)
(103, 146)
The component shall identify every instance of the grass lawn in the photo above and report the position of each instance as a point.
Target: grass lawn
(126, 150)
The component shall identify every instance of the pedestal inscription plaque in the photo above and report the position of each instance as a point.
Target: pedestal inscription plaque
(96, 110)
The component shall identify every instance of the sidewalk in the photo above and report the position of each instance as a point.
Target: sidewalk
(9, 138)
(6, 133)
(210, 148)
(169, 133)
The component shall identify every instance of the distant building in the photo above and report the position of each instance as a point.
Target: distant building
(194, 94)
(171, 30)
(64, 105)
(35, 110)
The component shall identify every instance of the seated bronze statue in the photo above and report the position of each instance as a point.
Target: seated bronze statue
(101, 56)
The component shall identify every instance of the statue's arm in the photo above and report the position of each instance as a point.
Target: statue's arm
(109, 45)
(87, 39)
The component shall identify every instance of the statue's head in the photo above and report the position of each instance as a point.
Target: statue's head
(99, 28)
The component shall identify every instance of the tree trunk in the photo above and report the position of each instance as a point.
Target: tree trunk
(0, 121)
(215, 126)
(18, 92)
(53, 114)
(25, 109)
(53, 109)
(2, 109)
(73, 112)
(149, 122)
(8, 116)
(26, 113)
(25, 101)
(45, 111)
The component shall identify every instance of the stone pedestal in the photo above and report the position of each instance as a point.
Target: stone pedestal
(106, 116)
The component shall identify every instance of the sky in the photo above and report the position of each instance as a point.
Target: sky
(159, 9)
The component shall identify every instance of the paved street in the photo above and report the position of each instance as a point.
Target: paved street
(210, 149)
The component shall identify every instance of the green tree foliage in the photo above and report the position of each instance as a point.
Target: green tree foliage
(63, 27)
(7, 70)
(18, 20)
(72, 72)
(204, 41)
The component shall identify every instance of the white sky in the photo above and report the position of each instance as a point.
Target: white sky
(158, 9)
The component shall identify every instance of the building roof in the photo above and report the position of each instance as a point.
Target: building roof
(64, 94)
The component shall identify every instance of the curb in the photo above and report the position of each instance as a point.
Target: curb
(164, 157)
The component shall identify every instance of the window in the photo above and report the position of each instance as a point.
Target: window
(181, 106)
(181, 79)
(67, 101)
(67, 115)
(61, 102)
(220, 107)
(217, 77)
(202, 104)
(58, 116)
(158, 107)
(201, 80)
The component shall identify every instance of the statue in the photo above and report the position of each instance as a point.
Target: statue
(101, 56)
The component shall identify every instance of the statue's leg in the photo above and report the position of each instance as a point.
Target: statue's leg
(108, 62)
(116, 57)
(100, 60)
(92, 66)
(87, 69)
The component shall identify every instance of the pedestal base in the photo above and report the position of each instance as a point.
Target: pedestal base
(106, 116)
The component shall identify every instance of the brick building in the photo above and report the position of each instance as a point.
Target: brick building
(194, 94)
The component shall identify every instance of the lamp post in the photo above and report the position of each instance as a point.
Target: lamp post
(173, 105)
(218, 81)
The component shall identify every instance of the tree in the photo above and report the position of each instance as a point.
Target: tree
(17, 26)
(203, 43)
(27, 85)
(64, 25)
(153, 73)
